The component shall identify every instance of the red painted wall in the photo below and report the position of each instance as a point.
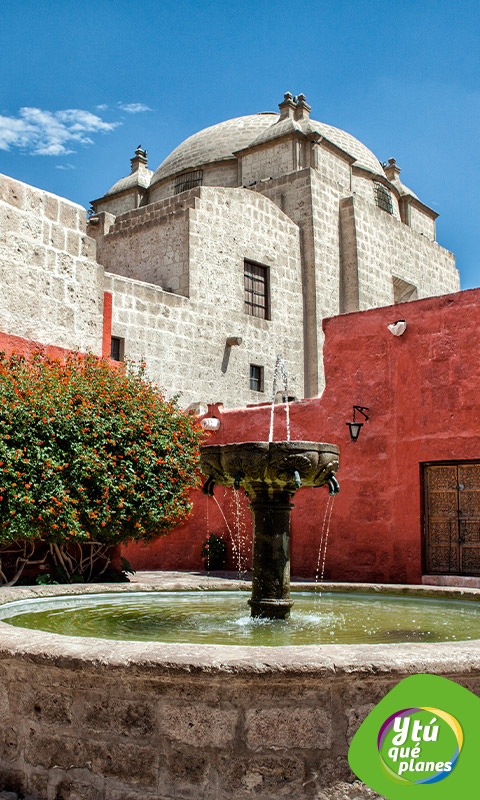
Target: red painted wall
(422, 391)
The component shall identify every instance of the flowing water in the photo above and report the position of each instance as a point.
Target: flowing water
(223, 618)
(280, 371)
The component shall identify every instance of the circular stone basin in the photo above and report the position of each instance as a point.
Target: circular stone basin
(221, 618)
(136, 719)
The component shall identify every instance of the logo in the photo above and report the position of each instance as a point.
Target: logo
(421, 741)
(419, 745)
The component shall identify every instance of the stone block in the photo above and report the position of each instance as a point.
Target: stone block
(68, 216)
(48, 708)
(187, 767)
(50, 207)
(286, 728)
(267, 777)
(73, 243)
(56, 236)
(88, 247)
(132, 719)
(48, 750)
(71, 790)
(65, 266)
(130, 763)
(197, 725)
(12, 192)
(33, 201)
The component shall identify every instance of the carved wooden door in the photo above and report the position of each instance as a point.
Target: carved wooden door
(452, 518)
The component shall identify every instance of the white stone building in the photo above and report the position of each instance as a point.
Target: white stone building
(246, 236)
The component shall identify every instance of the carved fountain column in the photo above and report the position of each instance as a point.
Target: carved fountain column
(271, 473)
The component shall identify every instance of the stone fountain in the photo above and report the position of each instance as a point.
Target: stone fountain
(270, 473)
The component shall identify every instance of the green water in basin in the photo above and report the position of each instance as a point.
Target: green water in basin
(223, 618)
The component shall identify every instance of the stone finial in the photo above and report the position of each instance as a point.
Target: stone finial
(140, 159)
(391, 170)
(287, 107)
(302, 109)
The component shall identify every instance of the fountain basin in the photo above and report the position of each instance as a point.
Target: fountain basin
(124, 720)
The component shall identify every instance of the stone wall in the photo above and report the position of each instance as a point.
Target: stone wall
(184, 341)
(151, 244)
(220, 174)
(88, 719)
(421, 223)
(387, 247)
(51, 286)
(269, 161)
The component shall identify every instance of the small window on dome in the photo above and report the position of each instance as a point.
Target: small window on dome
(383, 198)
(188, 180)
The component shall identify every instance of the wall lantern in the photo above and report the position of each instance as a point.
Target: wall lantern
(355, 426)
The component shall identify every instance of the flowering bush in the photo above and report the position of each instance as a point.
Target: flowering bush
(89, 453)
(214, 552)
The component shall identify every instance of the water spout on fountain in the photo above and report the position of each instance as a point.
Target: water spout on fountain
(322, 550)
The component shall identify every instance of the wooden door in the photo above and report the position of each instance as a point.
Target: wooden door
(452, 518)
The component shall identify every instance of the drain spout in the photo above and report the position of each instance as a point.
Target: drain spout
(207, 487)
(333, 486)
(238, 479)
(296, 478)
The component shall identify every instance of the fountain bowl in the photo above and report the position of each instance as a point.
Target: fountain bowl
(119, 720)
(271, 464)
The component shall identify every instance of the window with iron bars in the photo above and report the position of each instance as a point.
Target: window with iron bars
(383, 198)
(188, 181)
(256, 290)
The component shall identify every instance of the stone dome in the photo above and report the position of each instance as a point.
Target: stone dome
(219, 143)
(141, 179)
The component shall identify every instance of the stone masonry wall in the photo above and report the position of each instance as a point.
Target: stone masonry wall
(421, 223)
(222, 174)
(268, 162)
(51, 286)
(387, 247)
(151, 244)
(184, 341)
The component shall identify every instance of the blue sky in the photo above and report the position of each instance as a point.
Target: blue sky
(82, 84)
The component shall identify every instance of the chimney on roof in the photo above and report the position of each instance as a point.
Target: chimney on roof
(287, 108)
(139, 160)
(302, 109)
(391, 170)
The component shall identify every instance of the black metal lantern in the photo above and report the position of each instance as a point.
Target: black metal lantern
(355, 426)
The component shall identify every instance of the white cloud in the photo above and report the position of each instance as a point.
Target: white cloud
(65, 166)
(50, 133)
(102, 107)
(134, 108)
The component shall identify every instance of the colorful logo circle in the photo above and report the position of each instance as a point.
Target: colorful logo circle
(419, 745)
